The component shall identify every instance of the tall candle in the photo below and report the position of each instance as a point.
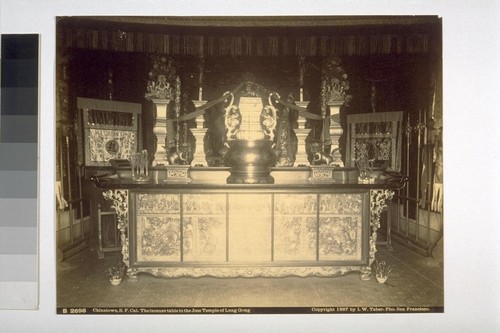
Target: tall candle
(301, 94)
(200, 94)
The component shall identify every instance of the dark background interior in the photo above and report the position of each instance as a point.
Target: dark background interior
(403, 80)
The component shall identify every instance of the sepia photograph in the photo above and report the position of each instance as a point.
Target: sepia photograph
(264, 166)
(249, 164)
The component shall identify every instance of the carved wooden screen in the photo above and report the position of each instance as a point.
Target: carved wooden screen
(381, 133)
(110, 130)
(220, 228)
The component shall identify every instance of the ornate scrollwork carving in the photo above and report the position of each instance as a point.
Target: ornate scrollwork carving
(335, 80)
(248, 271)
(120, 206)
(378, 202)
(232, 118)
(269, 118)
(161, 78)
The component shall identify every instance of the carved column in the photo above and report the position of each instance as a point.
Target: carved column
(160, 131)
(302, 132)
(335, 130)
(199, 134)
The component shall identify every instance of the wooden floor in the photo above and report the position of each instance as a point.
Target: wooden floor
(415, 281)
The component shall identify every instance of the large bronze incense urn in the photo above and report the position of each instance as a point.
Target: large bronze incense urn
(250, 130)
(250, 162)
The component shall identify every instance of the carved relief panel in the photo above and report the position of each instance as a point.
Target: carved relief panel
(295, 226)
(375, 137)
(158, 238)
(158, 227)
(111, 130)
(103, 145)
(204, 227)
(340, 226)
(250, 227)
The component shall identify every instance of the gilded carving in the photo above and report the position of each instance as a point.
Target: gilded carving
(161, 77)
(232, 118)
(335, 81)
(269, 119)
(120, 206)
(378, 202)
(248, 271)
(204, 235)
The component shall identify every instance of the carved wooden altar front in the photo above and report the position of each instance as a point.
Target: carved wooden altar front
(240, 231)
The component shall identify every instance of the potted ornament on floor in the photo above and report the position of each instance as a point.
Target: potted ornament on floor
(115, 273)
(382, 271)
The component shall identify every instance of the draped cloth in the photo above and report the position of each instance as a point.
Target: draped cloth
(201, 109)
(315, 44)
(107, 105)
(286, 104)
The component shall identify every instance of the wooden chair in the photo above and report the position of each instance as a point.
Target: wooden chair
(116, 243)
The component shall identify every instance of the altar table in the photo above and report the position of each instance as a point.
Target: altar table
(240, 230)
